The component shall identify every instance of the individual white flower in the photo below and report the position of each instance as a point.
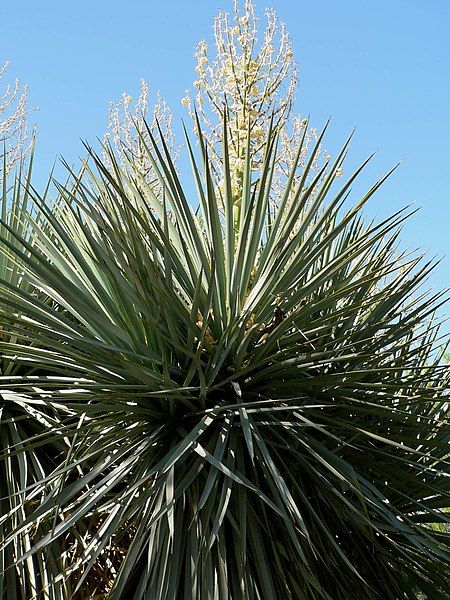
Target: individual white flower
(257, 133)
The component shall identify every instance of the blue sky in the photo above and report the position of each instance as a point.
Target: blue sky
(382, 67)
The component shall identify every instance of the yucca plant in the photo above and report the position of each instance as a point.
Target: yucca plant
(250, 392)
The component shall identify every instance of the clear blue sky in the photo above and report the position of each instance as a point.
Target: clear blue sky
(382, 67)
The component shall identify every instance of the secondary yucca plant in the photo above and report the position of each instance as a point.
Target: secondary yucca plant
(251, 397)
(27, 453)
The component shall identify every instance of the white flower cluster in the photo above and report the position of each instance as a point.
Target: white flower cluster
(128, 133)
(13, 122)
(254, 81)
